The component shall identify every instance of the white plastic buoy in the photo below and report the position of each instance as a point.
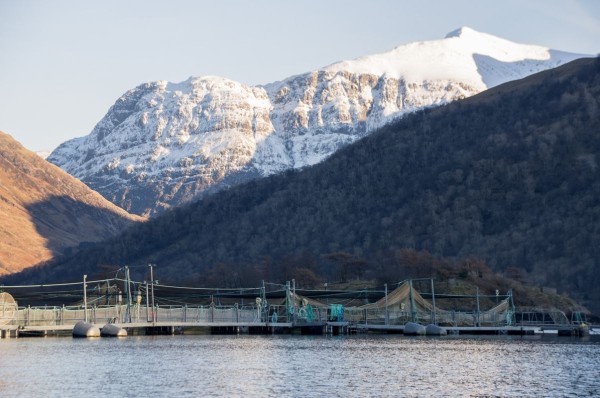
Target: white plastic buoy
(84, 329)
(434, 330)
(112, 330)
(414, 329)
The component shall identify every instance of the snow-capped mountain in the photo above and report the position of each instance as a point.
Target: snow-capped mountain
(163, 144)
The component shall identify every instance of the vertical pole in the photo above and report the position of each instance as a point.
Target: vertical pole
(294, 298)
(129, 298)
(126, 289)
(288, 308)
(412, 301)
(477, 305)
(85, 316)
(147, 303)
(434, 317)
(152, 287)
(386, 305)
(264, 301)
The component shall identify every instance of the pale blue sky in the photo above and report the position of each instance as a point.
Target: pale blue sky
(63, 63)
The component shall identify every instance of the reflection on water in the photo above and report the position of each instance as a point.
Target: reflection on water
(298, 366)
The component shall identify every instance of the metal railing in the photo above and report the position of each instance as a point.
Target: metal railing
(379, 316)
(538, 317)
(272, 314)
(70, 315)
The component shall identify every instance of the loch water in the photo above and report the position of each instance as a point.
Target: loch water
(301, 366)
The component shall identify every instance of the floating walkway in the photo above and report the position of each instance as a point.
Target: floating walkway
(336, 328)
(122, 307)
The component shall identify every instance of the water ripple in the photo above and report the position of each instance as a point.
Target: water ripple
(295, 366)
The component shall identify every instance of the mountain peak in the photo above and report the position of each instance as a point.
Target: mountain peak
(170, 143)
(462, 32)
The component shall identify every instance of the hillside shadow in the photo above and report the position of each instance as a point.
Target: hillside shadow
(494, 72)
(69, 225)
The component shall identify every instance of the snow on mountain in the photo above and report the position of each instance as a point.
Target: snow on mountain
(163, 144)
(43, 154)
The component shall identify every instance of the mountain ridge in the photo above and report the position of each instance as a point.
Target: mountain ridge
(164, 144)
(509, 176)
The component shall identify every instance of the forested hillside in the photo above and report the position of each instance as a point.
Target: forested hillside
(162, 144)
(509, 176)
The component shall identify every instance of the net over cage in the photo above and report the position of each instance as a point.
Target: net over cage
(8, 309)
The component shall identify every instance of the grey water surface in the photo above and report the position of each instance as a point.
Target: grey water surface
(300, 366)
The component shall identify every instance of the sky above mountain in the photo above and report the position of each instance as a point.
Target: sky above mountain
(65, 62)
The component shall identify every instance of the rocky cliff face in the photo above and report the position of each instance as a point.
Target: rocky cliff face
(164, 144)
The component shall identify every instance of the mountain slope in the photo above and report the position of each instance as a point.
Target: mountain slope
(44, 211)
(163, 144)
(510, 175)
